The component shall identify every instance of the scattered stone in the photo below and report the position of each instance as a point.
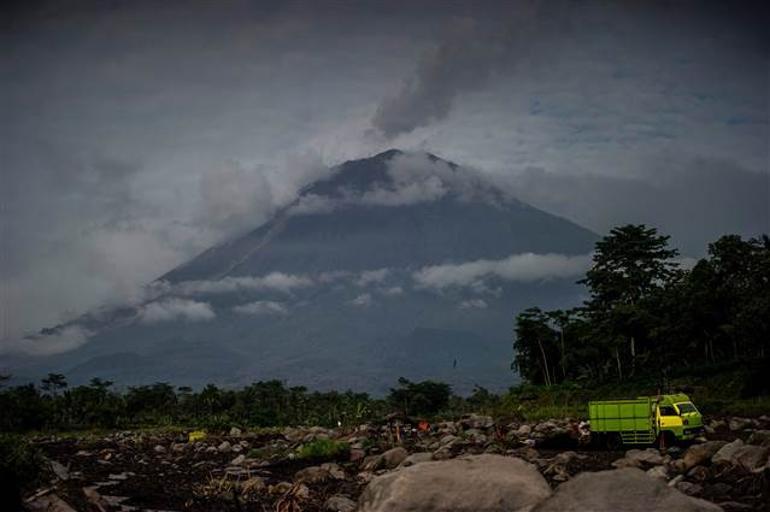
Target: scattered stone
(442, 454)
(59, 469)
(699, 473)
(734, 506)
(630, 490)
(675, 480)
(235, 432)
(224, 447)
(95, 499)
(649, 456)
(475, 421)
(690, 489)
(339, 503)
(240, 459)
(720, 489)
(482, 483)
(524, 430)
(393, 457)
(49, 503)
(357, 455)
(159, 448)
(659, 472)
(312, 475)
(759, 437)
(736, 424)
(254, 485)
(280, 488)
(700, 453)
(335, 471)
(750, 457)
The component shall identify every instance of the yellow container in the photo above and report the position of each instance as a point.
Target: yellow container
(196, 435)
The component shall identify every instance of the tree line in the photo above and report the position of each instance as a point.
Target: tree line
(645, 315)
(54, 405)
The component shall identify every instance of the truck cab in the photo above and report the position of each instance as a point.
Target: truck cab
(677, 418)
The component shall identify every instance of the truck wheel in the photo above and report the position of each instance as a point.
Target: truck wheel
(614, 441)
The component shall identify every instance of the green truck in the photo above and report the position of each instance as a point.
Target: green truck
(646, 420)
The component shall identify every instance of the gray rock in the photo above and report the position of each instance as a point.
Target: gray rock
(394, 457)
(417, 458)
(736, 424)
(357, 455)
(689, 488)
(659, 472)
(224, 447)
(478, 422)
(649, 456)
(59, 469)
(335, 471)
(699, 473)
(49, 503)
(479, 483)
(748, 456)
(312, 475)
(448, 440)
(240, 459)
(443, 453)
(524, 430)
(235, 432)
(760, 437)
(700, 453)
(339, 503)
(675, 480)
(629, 490)
(159, 448)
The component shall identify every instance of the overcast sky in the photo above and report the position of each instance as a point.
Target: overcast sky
(135, 134)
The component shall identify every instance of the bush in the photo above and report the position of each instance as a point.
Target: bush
(20, 468)
(323, 449)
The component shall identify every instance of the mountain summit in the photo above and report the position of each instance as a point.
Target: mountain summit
(401, 264)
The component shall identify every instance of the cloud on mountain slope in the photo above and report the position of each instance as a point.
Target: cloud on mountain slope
(48, 342)
(262, 307)
(175, 309)
(524, 267)
(276, 281)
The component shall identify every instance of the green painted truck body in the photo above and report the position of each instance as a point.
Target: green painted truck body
(645, 419)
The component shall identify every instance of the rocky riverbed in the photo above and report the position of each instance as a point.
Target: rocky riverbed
(471, 464)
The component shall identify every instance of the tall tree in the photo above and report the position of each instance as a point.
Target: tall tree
(54, 383)
(629, 266)
(536, 347)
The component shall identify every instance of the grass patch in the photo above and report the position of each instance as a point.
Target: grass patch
(323, 449)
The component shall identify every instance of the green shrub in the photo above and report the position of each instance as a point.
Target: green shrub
(20, 469)
(323, 449)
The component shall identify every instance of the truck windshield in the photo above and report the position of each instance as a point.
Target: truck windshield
(686, 407)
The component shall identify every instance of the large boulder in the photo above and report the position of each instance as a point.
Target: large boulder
(748, 456)
(760, 437)
(629, 490)
(478, 483)
(699, 453)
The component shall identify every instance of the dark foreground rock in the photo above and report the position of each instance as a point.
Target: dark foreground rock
(482, 483)
(629, 490)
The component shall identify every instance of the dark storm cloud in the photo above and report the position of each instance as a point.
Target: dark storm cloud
(695, 202)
